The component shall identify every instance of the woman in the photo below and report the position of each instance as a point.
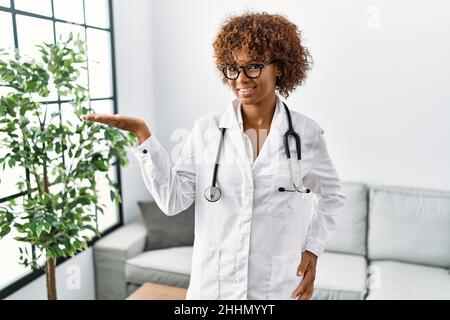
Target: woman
(258, 229)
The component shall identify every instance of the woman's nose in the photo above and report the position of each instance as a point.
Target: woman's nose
(242, 77)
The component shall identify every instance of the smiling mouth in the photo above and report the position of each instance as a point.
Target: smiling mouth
(245, 91)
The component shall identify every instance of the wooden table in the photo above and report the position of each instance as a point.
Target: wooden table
(154, 291)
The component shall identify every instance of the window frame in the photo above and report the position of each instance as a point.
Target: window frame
(34, 274)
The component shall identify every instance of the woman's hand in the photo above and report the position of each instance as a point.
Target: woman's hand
(127, 123)
(307, 269)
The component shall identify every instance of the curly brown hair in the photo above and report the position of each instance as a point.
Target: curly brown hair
(265, 36)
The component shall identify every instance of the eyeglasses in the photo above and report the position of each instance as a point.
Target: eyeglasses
(251, 70)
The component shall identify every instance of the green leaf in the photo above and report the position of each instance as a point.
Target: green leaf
(39, 229)
(23, 110)
(47, 227)
(50, 218)
(9, 217)
(20, 185)
(4, 230)
(11, 162)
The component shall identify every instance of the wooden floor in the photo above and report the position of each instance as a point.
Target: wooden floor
(154, 291)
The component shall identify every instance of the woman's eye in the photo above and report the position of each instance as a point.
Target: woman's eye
(254, 67)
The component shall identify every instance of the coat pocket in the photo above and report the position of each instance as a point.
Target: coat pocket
(209, 273)
(283, 276)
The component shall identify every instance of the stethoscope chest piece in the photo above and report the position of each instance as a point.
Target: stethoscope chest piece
(212, 194)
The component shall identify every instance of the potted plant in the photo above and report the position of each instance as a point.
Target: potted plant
(62, 159)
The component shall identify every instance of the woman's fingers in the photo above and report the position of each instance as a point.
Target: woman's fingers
(102, 118)
(98, 117)
(306, 287)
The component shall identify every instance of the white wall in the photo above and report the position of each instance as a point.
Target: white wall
(134, 77)
(379, 86)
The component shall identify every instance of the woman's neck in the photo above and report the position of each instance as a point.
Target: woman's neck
(259, 115)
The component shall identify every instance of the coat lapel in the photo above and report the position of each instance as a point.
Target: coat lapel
(271, 149)
(233, 135)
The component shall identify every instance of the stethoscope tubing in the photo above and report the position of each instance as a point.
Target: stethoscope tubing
(216, 163)
(213, 193)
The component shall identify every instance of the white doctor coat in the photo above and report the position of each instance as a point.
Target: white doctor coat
(248, 244)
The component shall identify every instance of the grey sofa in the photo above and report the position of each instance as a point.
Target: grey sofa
(390, 243)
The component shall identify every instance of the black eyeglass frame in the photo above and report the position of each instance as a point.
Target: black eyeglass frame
(244, 67)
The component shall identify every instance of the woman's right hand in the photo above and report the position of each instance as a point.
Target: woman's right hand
(127, 123)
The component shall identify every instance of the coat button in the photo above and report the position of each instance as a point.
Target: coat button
(145, 151)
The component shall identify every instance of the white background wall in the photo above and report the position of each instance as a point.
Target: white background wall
(379, 87)
(135, 87)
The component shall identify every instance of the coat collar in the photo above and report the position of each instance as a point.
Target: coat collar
(229, 120)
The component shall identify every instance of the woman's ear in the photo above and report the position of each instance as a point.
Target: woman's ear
(277, 71)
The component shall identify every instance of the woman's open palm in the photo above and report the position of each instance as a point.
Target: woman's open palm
(127, 123)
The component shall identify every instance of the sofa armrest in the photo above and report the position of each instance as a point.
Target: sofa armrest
(110, 255)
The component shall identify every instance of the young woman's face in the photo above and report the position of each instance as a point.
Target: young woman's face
(253, 91)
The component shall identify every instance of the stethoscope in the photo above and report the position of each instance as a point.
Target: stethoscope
(213, 193)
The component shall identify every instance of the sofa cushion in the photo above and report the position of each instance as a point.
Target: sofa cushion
(170, 266)
(350, 233)
(405, 281)
(409, 225)
(167, 231)
(340, 277)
